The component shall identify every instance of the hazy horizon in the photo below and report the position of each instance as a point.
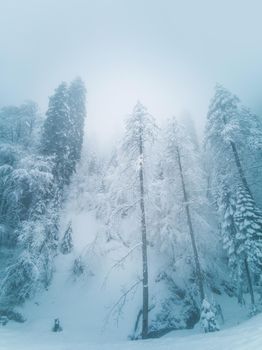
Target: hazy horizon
(168, 54)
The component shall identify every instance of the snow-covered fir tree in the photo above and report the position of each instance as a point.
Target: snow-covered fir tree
(229, 240)
(77, 113)
(67, 242)
(230, 127)
(55, 138)
(63, 129)
(248, 221)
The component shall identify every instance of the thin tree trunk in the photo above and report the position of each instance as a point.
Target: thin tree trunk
(144, 242)
(246, 186)
(249, 281)
(191, 231)
(238, 163)
(239, 168)
(240, 298)
(137, 322)
(208, 187)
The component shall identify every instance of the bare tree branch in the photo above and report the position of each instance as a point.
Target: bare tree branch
(120, 303)
(120, 261)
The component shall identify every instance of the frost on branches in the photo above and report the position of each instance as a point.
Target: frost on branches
(37, 159)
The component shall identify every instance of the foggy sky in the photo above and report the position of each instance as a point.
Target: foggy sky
(168, 54)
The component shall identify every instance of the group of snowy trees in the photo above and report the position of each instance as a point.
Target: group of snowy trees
(37, 158)
(156, 178)
(163, 195)
(177, 202)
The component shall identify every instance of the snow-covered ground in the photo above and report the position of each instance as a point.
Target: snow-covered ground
(246, 336)
(82, 306)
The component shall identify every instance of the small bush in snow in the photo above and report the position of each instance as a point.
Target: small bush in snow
(57, 327)
(78, 267)
(208, 318)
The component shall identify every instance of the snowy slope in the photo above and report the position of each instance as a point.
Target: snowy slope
(82, 307)
(247, 336)
(83, 304)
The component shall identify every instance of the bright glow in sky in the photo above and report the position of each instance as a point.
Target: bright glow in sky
(167, 53)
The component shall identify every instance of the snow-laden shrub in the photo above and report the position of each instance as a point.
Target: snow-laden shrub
(190, 313)
(167, 319)
(208, 318)
(20, 280)
(12, 315)
(78, 267)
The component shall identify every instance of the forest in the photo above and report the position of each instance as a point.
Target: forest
(168, 221)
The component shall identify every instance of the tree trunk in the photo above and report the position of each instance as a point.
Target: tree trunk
(191, 231)
(238, 163)
(249, 281)
(246, 186)
(144, 242)
(240, 298)
(239, 168)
